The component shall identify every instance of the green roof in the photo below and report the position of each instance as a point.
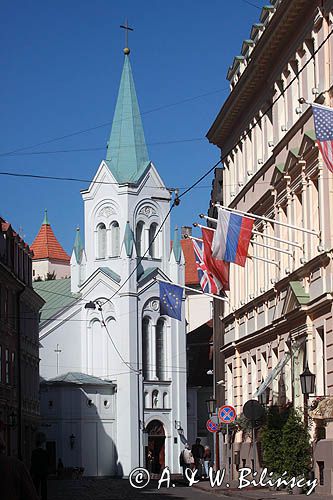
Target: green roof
(147, 273)
(78, 246)
(78, 379)
(176, 246)
(127, 154)
(57, 295)
(298, 290)
(46, 219)
(111, 273)
(128, 239)
(280, 167)
(311, 134)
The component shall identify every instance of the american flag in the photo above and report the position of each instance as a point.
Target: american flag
(323, 122)
(207, 281)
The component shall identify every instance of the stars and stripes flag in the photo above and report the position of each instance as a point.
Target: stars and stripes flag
(207, 281)
(323, 122)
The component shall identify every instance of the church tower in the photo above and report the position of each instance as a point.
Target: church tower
(114, 326)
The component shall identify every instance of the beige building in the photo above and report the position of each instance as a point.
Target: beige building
(281, 302)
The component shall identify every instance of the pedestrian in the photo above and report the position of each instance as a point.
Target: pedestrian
(39, 466)
(186, 460)
(207, 458)
(60, 469)
(15, 480)
(198, 454)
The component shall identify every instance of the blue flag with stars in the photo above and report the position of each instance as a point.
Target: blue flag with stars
(171, 300)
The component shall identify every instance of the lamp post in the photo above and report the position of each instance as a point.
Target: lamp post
(308, 380)
(211, 409)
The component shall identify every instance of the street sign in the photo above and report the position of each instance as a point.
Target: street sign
(211, 426)
(227, 414)
(253, 410)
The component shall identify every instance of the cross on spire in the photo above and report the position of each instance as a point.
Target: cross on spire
(127, 29)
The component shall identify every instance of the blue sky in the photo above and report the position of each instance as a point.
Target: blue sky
(61, 66)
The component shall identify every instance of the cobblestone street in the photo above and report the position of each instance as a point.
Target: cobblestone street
(118, 489)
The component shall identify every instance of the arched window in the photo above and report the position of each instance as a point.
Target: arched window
(115, 241)
(101, 241)
(154, 399)
(153, 242)
(165, 400)
(160, 349)
(139, 236)
(147, 400)
(145, 347)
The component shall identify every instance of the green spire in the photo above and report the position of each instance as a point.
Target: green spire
(128, 240)
(127, 155)
(78, 247)
(46, 219)
(176, 246)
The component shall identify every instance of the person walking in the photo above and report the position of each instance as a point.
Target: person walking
(15, 480)
(39, 466)
(207, 459)
(186, 460)
(198, 454)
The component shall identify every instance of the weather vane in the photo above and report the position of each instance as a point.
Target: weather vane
(127, 29)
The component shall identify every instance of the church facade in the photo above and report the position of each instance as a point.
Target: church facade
(113, 368)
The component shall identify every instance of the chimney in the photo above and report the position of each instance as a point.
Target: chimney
(186, 230)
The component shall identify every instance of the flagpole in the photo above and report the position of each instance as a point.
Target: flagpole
(248, 256)
(274, 238)
(194, 289)
(275, 249)
(267, 219)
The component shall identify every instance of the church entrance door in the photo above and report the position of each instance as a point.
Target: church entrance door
(155, 452)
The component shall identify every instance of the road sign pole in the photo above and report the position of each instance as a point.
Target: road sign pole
(254, 447)
(227, 465)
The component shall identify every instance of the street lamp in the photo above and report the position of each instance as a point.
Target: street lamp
(211, 405)
(308, 380)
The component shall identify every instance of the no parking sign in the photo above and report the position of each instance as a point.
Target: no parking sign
(212, 426)
(227, 414)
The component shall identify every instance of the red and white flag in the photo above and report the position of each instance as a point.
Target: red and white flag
(218, 268)
(323, 122)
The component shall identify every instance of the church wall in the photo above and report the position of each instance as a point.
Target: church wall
(81, 412)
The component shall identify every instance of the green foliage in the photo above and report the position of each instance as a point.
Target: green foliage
(286, 443)
(50, 276)
(295, 445)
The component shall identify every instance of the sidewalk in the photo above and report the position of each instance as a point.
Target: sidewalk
(256, 493)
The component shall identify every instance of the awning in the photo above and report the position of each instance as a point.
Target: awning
(279, 367)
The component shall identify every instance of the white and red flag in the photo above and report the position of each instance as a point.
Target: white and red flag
(323, 122)
(218, 268)
(232, 237)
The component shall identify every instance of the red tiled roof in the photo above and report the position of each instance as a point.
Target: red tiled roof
(191, 273)
(46, 246)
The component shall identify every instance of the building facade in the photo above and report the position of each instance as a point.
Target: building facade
(280, 304)
(19, 345)
(108, 324)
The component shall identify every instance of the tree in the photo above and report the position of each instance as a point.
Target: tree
(271, 437)
(295, 446)
(50, 276)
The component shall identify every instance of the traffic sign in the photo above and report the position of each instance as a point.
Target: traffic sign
(227, 414)
(211, 426)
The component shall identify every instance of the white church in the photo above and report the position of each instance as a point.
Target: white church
(113, 392)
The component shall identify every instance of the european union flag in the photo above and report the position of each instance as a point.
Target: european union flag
(171, 300)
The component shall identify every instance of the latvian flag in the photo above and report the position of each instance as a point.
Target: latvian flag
(207, 281)
(232, 237)
(323, 122)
